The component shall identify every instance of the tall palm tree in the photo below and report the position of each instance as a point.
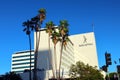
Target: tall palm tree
(40, 18)
(49, 29)
(27, 29)
(38, 21)
(35, 24)
(55, 38)
(63, 30)
(42, 15)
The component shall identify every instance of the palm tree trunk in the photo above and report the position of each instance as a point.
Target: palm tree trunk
(35, 62)
(36, 55)
(38, 40)
(51, 61)
(55, 57)
(60, 58)
(30, 56)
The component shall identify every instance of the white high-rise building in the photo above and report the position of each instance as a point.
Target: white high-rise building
(21, 61)
(82, 47)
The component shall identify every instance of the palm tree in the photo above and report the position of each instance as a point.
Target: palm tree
(38, 21)
(27, 29)
(42, 15)
(49, 29)
(55, 38)
(63, 30)
(35, 27)
(35, 24)
(40, 18)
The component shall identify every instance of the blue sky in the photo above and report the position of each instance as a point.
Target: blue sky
(105, 14)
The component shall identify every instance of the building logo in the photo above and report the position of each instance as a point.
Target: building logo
(85, 42)
(85, 39)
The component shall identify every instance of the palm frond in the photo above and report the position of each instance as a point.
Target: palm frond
(24, 29)
(35, 19)
(49, 27)
(27, 26)
(55, 37)
(28, 32)
(64, 23)
(63, 27)
(24, 24)
(42, 10)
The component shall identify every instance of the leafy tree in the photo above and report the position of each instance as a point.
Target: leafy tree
(1, 77)
(112, 76)
(80, 71)
(11, 76)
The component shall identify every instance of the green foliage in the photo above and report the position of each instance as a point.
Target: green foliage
(49, 27)
(63, 28)
(42, 10)
(42, 14)
(80, 71)
(113, 76)
(55, 37)
(64, 23)
(27, 27)
(11, 76)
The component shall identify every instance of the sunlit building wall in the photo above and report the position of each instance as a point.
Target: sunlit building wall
(81, 48)
(85, 48)
(44, 59)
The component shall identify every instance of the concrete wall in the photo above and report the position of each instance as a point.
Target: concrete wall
(85, 48)
(41, 75)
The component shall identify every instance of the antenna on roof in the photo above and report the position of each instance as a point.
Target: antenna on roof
(93, 26)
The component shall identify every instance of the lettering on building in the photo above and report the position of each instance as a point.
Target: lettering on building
(85, 42)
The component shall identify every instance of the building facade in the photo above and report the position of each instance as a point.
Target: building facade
(82, 47)
(44, 59)
(21, 61)
(85, 48)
